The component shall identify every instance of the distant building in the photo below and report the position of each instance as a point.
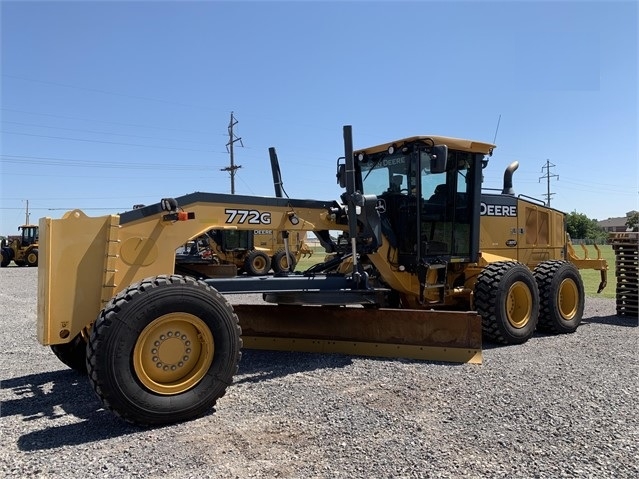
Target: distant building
(614, 225)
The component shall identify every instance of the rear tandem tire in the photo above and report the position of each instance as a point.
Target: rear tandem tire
(561, 292)
(73, 354)
(507, 298)
(280, 264)
(257, 263)
(164, 350)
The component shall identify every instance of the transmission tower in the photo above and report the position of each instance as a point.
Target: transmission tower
(229, 147)
(547, 176)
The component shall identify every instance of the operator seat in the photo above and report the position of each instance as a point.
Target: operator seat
(398, 219)
(396, 184)
(440, 195)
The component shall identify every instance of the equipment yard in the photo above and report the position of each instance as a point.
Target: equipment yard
(556, 406)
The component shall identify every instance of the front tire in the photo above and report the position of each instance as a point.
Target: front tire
(32, 258)
(164, 350)
(507, 298)
(561, 292)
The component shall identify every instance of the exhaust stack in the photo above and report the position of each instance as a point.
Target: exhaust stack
(508, 179)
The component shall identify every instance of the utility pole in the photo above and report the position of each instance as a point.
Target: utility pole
(229, 147)
(26, 222)
(548, 166)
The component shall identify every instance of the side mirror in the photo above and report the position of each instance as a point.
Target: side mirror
(341, 175)
(438, 158)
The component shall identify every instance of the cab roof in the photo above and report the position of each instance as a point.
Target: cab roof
(452, 143)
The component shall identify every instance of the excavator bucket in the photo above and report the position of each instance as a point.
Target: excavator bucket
(415, 334)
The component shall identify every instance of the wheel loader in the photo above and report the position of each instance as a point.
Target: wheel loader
(22, 249)
(425, 264)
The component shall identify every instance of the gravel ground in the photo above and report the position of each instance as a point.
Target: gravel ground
(558, 406)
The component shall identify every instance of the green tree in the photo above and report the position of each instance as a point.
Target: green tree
(579, 226)
(632, 221)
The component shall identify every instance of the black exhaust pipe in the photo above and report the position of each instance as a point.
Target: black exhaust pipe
(277, 174)
(508, 179)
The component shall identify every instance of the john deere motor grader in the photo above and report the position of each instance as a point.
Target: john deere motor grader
(254, 252)
(424, 264)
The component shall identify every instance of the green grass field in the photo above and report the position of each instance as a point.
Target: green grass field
(590, 276)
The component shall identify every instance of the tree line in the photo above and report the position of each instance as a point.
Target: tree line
(579, 226)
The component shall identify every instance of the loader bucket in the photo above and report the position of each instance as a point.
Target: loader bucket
(395, 333)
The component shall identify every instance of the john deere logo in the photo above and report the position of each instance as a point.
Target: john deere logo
(497, 210)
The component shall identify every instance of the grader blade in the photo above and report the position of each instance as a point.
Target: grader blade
(397, 333)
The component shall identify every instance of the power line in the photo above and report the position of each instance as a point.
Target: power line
(102, 132)
(106, 142)
(75, 163)
(548, 176)
(106, 92)
(137, 125)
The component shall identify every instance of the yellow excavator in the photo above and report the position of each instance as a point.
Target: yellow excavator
(424, 265)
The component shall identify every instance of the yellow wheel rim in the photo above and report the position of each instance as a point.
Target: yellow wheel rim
(173, 353)
(519, 305)
(259, 263)
(31, 258)
(568, 300)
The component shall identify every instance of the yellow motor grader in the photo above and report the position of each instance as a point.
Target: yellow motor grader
(254, 252)
(425, 265)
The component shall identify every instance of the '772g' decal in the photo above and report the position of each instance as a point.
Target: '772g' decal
(251, 217)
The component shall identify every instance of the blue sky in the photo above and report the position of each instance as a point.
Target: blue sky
(109, 104)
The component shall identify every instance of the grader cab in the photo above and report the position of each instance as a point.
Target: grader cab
(424, 265)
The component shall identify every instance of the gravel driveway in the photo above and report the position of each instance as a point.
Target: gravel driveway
(557, 406)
